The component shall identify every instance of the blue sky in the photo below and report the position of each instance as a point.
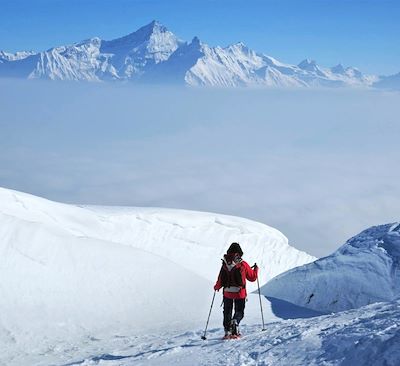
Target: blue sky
(364, 34)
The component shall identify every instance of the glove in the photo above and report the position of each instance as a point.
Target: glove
(216, 288)
(255, 267)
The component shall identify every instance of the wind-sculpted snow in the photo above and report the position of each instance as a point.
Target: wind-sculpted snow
(72, 275)
(62, 290)
(153, 54)
(364, 270)
(188, 238)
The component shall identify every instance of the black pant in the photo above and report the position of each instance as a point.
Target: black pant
(239, 311)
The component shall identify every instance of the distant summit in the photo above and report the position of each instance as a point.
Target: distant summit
(309, 65)
(153, 54)
(391, 82)
(338, 69)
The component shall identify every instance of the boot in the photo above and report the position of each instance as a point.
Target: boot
(234, 328)
(227, 334)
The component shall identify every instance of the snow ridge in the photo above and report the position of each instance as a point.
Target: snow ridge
(366, 269)
(153, 54)
(76, 274)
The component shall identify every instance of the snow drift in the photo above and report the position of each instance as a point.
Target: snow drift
(71, 274)
(366, 269)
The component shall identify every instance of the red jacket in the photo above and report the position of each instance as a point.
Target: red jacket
(247, 274)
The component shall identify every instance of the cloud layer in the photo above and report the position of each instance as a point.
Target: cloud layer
(318, 165)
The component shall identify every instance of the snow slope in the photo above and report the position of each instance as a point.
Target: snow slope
(132, 286)
(60, 288)
(366, 269)
(368, 336)
(76, 276)
(153, 54)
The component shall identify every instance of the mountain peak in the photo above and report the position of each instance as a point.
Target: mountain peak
(93, 40)
(154, 32)
(196, 41)
(338, 69)
(153, 27)
(354, 72)
(307, 64)
(145, 32)
(240, 44)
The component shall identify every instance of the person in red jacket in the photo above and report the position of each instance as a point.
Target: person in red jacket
(232, 278)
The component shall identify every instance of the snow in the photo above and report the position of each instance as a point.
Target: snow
(366, 336)
(78, 276)
(5, 56)
(139, 51)
(366, 269)
(90, 285)
(153, 54)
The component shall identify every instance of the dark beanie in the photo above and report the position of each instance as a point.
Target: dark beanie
(235, 248)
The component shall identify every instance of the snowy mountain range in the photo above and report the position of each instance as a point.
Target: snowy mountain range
(153, 54)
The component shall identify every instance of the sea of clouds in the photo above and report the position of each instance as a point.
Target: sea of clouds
(319, 165)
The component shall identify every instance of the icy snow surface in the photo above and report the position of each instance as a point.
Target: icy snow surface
(364, 270)
(76, 277)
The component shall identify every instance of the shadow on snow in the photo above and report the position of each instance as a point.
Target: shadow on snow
(286, 310)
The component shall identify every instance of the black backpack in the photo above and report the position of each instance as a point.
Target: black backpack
(231, 277)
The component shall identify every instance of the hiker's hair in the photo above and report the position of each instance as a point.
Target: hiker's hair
(235, 248)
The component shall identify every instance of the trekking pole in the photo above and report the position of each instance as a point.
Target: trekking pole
(259, 297)
(208, 319)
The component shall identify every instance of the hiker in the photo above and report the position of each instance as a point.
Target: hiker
(232, 277)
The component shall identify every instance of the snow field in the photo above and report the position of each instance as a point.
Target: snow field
(132, 286)
(366, 336)
(73, 277)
